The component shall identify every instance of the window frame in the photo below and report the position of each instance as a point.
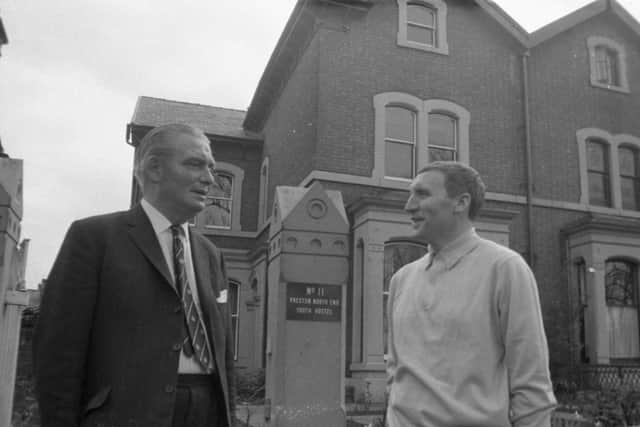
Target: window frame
(440, 31)
(635, 179)
(605, 173)
(422, 110)
(596, 43)
(263, 207)
(413, 144)
(235, 330)
(614, 142)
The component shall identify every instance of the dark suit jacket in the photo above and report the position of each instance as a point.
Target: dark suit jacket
(107, 343)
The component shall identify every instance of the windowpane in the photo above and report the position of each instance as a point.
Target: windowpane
(598, 189)
(400, 124)
(421, 14)
(421, 35)
(436, 154)
(234, 299)
(630, 193)
(607, 66)
(620, 284)
(613, 68)
(442, 130)
(597, 159)
(221, 186)
(399, 160)
(628, 160)
(217, 214)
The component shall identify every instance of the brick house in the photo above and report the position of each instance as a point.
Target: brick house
(359, 94)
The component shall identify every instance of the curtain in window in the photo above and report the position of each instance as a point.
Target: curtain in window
(622, 306)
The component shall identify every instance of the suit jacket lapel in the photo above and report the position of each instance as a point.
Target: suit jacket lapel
(206, 281)
(144, 237)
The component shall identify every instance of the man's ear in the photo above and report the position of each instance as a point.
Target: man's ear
(463, 201)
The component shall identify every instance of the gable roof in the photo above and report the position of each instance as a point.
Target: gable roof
(506, 21)
(581, 15)
(216, 121)
(301, 25)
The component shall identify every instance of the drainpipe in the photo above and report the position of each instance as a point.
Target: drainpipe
(528, 157)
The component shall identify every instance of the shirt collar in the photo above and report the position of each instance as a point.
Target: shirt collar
(451, 253)
(159, 222)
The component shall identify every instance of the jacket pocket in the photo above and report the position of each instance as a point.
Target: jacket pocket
(97, 400)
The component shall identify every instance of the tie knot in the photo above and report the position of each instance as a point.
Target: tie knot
(176, 229)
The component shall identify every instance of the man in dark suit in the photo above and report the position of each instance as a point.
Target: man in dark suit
(134, 328)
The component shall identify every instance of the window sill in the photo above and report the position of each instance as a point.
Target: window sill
(619, 89)
(441, 50)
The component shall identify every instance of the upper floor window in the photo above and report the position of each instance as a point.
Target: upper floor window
(629, 177)
(223, 201)
(409, 133)
(263, 207)
(609, 169)
(607, 60)
(598, 171)
(400, 142)
(443, 137)
(422, 24)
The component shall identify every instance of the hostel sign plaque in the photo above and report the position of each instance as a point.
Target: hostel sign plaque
(316, 303)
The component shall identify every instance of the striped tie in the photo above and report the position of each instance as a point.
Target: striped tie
(195, 343)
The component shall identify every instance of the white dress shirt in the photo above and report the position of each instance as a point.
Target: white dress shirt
(162, 228)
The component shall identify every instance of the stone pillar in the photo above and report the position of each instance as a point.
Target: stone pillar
(307, 278)
(13, 297)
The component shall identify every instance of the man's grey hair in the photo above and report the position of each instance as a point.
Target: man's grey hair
(155, 144)
(458, 179)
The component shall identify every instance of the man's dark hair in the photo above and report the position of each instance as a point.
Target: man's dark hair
(458, 179)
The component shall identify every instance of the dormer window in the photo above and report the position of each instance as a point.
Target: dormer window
(422, 24)
(607, 60)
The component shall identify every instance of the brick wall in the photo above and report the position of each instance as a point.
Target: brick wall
(563, 101)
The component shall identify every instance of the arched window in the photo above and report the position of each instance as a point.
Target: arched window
(400, 142)
(443, 136)
(608, 63)
(629, 177)
(263, 210)
(410, 133)
(218, 212)
(598, 172)
(609, 169)
(621, 294)
(422, 24)
(223, 200)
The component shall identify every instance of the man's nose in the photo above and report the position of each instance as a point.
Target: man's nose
(410, 206)
(208, 177)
